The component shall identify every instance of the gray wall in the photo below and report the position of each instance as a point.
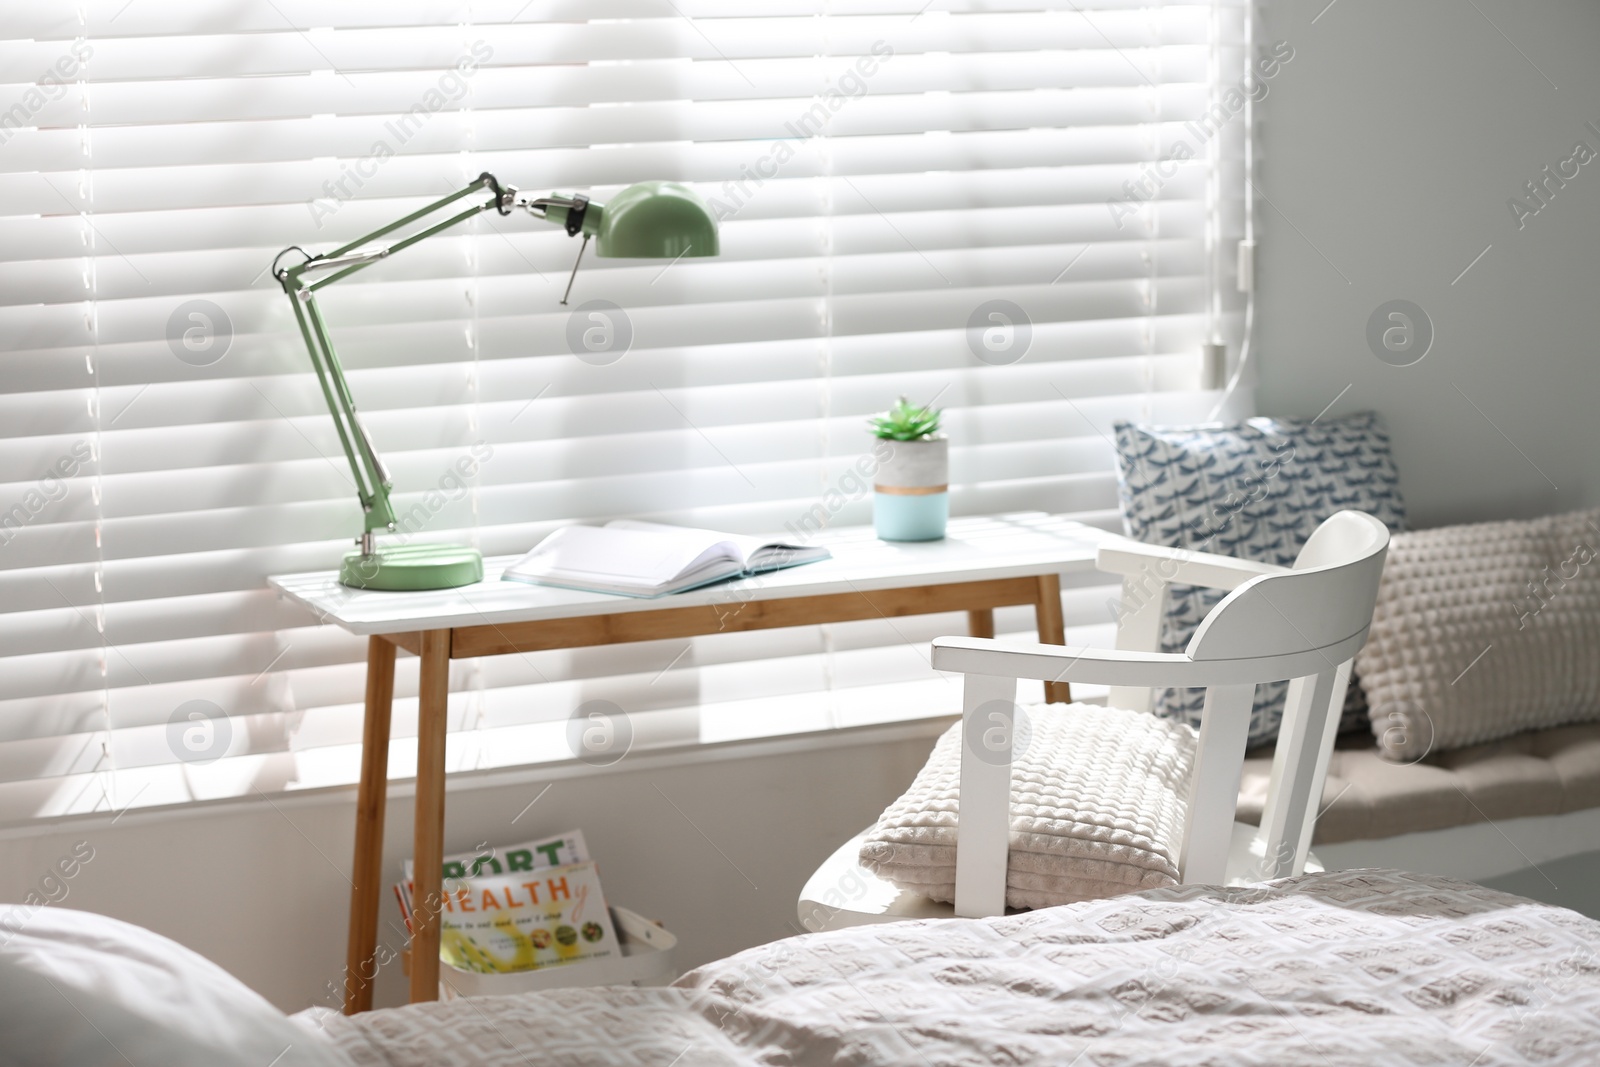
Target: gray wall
(1389, 148)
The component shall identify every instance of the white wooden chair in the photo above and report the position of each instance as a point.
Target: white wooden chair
(1303, 623)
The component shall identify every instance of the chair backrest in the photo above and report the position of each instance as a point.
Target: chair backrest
(1304, 624)
(1323, 600)
(1322, 606)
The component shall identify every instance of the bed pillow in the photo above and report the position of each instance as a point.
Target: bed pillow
(1484, 631)
(1255, 490)
(90, 991)
(1097, 803)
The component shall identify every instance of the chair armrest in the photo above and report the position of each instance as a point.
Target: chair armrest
(1136, 560)
(1119, 667)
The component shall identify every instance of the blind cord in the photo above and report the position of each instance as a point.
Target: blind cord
(1247, 248)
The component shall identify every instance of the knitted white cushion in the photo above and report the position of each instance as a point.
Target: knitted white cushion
(1484, 631)
(1097, 809)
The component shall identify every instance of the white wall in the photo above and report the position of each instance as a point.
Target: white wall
(263, 890)
(1392, 141)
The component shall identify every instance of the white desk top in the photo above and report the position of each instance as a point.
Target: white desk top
(976, 548)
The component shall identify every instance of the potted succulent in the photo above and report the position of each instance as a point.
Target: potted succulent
(911, 490)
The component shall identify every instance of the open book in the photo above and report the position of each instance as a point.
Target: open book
(649, 559)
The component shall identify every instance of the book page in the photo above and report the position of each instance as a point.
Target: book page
(739, 548)
(755, 554)
(643, 556)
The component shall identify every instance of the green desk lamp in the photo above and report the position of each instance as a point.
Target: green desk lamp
(656, 220)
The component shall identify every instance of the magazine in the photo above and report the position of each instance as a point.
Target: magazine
(557, 851)
(523, 922)
(519, 908)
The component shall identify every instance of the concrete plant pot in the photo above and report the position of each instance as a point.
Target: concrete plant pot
(911, 491)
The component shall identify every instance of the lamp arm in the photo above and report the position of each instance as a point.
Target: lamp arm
(372, 479)
(371, 476)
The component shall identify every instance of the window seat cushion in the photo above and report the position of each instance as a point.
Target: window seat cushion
(1542, 772)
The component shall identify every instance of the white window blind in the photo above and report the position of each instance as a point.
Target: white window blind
(885, 173)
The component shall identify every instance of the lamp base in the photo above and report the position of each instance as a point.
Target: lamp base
(412, 568)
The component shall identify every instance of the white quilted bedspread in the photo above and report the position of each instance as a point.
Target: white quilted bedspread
(1351, 969)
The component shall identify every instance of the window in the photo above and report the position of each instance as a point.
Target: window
(1022, 211)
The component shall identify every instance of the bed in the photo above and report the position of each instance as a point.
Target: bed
(1358, 967)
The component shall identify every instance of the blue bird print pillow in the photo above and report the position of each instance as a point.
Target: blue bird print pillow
(1255, 490)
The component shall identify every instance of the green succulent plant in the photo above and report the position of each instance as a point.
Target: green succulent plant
(906, 422)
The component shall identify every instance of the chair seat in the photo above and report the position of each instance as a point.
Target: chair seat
(1096, 809)
(842, 893)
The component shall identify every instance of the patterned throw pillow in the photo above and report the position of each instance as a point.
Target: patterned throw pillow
(1256, 491)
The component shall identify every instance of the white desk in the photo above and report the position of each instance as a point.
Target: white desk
(984, 563)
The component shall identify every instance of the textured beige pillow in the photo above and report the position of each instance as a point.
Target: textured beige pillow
(1097, 803)
(1484, 631)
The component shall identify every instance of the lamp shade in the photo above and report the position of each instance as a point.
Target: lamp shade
(656, 220)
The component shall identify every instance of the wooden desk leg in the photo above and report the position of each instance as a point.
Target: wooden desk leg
(980, 623)
(365, 889)
(428, 852)
(1052, 631)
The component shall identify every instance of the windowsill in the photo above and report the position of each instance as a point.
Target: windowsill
(640, 760)
(488, 756)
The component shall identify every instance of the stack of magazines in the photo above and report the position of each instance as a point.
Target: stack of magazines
(520, 908)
